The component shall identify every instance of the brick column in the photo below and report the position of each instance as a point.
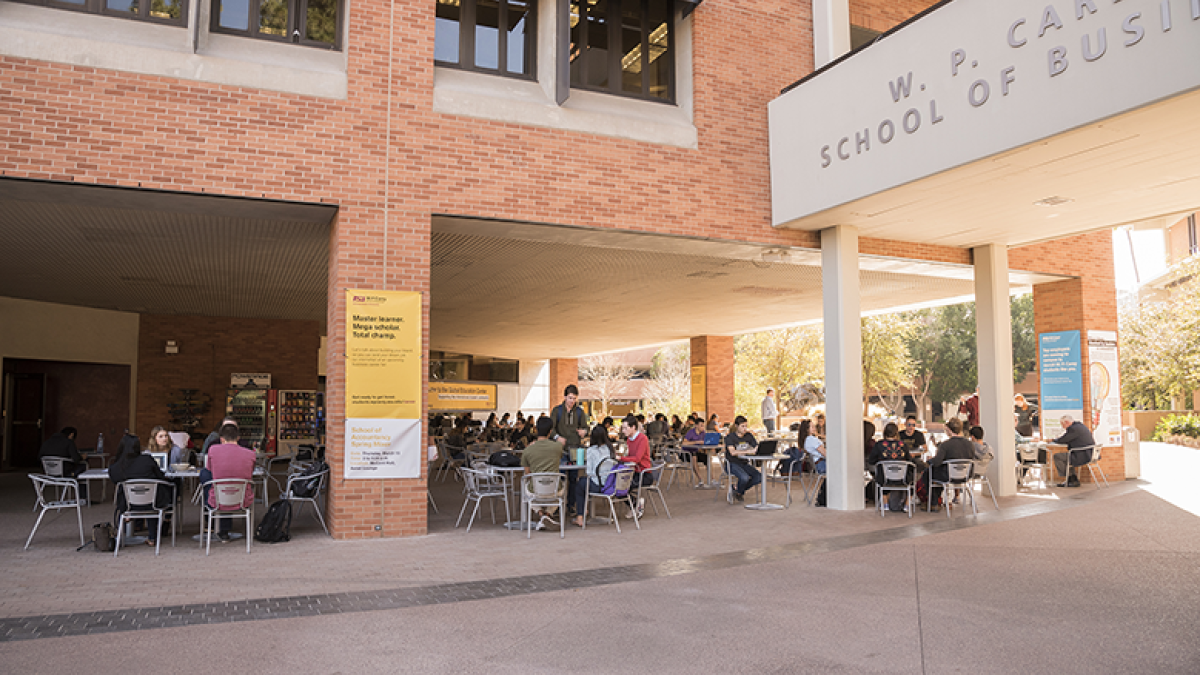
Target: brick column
(562, 373)
(372, 248)
(1085, 303)
(715, 353)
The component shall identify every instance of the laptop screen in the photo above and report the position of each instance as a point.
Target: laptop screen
(712, 438)
(766, 447)
(161, 458)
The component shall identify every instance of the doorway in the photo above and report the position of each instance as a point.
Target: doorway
(42, 397)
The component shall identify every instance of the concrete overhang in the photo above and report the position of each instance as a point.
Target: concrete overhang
(998, 122)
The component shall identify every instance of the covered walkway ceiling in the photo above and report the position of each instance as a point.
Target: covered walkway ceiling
(523, 290)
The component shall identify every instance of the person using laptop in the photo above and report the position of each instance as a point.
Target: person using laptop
(131, 463)
(741, 442)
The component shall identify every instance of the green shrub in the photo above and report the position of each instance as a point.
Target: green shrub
(1177, 425)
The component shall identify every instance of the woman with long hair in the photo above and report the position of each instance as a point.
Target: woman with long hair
(599, 450)
(160, 441)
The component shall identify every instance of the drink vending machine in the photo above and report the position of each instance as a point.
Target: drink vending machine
(252, 410)
(300, 420)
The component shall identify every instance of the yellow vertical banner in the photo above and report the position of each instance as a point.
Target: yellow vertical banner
(383, 384)
(699, 391)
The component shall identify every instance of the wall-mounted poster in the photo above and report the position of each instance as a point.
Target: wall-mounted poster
(1104, 387)
(461, 396)
(383, 384)
(1059, 365)
(699, 391)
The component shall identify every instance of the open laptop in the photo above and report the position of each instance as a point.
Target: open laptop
(766, 447)
(712, 438)
(161, 458)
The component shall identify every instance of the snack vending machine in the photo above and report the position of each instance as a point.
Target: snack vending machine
(252, 410)
(299, 420)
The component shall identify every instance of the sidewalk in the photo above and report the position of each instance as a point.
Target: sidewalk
(1082, 581)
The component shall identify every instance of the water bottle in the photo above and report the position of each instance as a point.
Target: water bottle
(580, 456)
(100, 444)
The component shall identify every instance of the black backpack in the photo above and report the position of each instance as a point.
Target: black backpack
(277, 524)
(308, 488)
(504, 458)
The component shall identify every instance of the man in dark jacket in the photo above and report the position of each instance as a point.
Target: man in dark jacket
(62, 444)
(955, 447)
(1077, 436)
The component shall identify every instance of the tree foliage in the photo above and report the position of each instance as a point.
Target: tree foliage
(788, 360)
(886, 366)
(610, 377)
(669, 387)
(1160, 344)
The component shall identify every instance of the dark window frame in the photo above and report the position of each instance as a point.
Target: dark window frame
(295, 24)
(466, 41)
(98, 7)
(615, 87)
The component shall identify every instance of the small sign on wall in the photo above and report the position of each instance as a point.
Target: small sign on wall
(249, 380)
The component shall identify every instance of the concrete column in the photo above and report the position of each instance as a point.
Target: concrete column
(843, 368)
(715, 353)
(993, 331)
(831, 30)
(562, 373)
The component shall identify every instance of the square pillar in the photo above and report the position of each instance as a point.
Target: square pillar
(715, 354)
(562, 373)
(993, 330)
(843, 368)
(831, 30)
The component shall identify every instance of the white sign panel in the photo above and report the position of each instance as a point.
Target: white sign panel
(383, 448)
(972, 79)
(1104, 387)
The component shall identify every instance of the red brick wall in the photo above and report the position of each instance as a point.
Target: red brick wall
(209, 350)
(715, 353)
(562, 373)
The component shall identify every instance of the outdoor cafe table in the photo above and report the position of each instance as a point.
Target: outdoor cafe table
(711, 451)
(761, 461)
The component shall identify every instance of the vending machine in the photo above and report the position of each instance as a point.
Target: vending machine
(251, 410)
(299, 416)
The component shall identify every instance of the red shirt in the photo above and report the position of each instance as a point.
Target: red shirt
(229, 460)
(638, 451)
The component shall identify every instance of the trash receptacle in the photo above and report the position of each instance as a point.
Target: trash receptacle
(1131, 440)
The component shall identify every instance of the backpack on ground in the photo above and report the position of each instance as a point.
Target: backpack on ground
(276, 525)
(104, 538)
(308, 488)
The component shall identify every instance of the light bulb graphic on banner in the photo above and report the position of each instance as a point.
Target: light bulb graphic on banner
(1098, 376)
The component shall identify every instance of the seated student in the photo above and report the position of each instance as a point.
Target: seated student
(983, 451)
(693, 441)
(132, 464)
(544, 456)
(62, 444)
(740, 442)
(676, 426)
(812, 444)
(228, 459)
(954, 447)
(891, 449)
(714, 423)
(637, 453)
(600, 463)
(160, 441)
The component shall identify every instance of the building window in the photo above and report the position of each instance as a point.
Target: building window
(315, 23)
(493, 36)
(623, 47)
(157, 11)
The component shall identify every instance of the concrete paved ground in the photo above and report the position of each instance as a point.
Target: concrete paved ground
(1084, 580)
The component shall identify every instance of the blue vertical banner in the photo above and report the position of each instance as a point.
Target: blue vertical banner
(1061, 373)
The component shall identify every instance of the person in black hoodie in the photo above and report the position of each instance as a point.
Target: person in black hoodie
(132, 463)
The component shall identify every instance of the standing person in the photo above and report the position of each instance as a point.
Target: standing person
(740, 442)
(227, 459)
(955, 447)
(637, 453)
(1024, 412)
(62, 444)
(970, 407)
(570, 423)
(769, 411)
(1077, 436)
